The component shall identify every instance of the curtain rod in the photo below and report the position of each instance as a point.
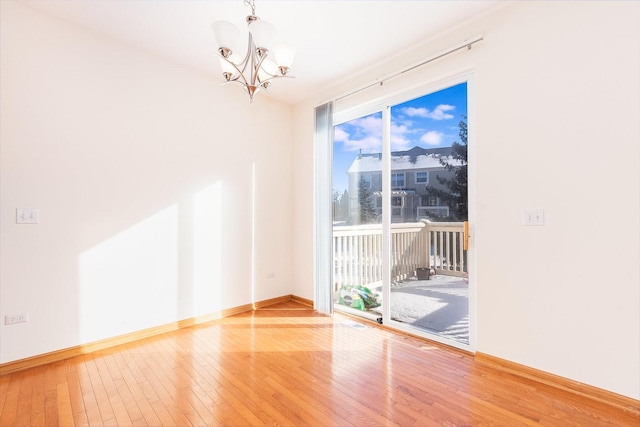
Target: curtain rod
(466, 44)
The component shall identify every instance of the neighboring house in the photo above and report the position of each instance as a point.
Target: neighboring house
(413, 173)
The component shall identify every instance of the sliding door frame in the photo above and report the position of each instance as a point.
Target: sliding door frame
(384, 105)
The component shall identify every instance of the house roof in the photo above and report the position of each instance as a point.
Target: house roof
(413, 159)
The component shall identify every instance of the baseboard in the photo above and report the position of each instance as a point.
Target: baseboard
(272, 301)
(583, 390)
(301, 300)
(66, 353)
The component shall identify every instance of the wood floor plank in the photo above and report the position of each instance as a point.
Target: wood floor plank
(4, 386)
(88, 394)
(65, 413)
(269, 407)
(287, 365)
(11, 401)
(79, 412)
(23, 416)
(161, 375)
(37, 398)
(51, 394)
(97, 386)
(321, 392)
(136, 392)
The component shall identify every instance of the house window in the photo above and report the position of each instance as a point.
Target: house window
(397, 180)
(376, 181)
(429, 200)
(422, 177)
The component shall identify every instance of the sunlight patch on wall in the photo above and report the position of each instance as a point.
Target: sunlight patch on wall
(253, 234)
(129, 282)
(207, 250)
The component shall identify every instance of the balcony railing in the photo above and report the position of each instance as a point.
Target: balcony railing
(446, 240)
(357, 251)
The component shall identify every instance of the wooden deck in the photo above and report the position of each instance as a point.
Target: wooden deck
(287, 365)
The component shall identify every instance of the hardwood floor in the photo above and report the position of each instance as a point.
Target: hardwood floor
(286, 365)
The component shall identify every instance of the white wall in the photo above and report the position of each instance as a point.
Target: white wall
(146, 175)
(554, 125)
(143, 174)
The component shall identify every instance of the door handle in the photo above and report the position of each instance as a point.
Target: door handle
(465, 245)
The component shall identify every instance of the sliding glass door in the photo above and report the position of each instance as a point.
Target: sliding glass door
(400, 207)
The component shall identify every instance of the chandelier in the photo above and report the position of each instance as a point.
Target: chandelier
(256, 71)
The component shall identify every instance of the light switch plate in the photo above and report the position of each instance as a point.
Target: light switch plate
(27, 216)
(534, 217)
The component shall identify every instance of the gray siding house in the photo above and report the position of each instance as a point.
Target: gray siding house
(413, 174)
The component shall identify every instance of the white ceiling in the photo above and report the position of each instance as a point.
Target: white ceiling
(333, 39)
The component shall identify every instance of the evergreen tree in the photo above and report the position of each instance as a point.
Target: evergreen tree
(456, 193)
(367, 211)
(336, 205)
(340, 206)
(344, 206)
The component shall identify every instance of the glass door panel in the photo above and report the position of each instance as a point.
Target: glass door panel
(429, 285)
(357, 216)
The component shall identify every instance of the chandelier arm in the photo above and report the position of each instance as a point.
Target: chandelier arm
(259, 66)
(253, 76)
(247, 57)
(239, 73)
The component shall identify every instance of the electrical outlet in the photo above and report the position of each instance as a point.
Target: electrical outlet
(12, 319)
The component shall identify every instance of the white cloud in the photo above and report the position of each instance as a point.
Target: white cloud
(340, 135)
(361, 134)
(399, 141)
(439, 113)
(368, 144)
(366, 134)
(432, 137)
(369, 124)
(416, 112)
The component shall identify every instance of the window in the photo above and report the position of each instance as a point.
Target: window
(422, 177)
(429, 200)
(397, 180)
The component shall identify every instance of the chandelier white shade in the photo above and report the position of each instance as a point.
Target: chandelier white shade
(263, 61)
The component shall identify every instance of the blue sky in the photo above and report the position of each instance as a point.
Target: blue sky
(429, 121)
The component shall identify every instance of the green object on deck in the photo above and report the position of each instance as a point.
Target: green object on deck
(357, 303)
(358, 297)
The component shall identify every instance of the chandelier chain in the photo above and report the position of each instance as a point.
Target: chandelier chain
(252, 4)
